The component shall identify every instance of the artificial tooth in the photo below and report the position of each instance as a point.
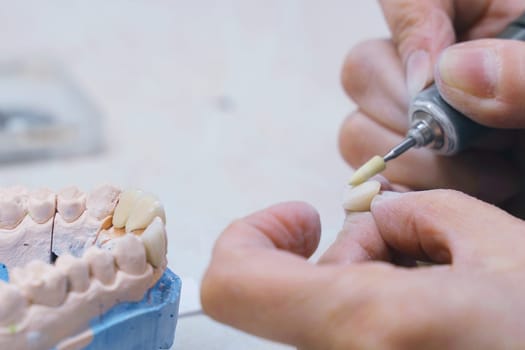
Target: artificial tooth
(71, 203)
(102, 200)
(41, 283)
(101, 264)
(155, 241)
(360, 197)
(125, 203)
(12, 208)
(41, 205)
(145, 209)
(76, 270)
(130, 254)
(13, 304)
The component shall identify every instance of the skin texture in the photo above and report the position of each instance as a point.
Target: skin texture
(260, 280)
(358, 296)
(484, 79)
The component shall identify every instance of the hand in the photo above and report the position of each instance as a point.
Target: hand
(484, 79)
(260, 281)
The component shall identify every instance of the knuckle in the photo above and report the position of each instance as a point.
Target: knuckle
(351, 144)
(404, 25)
(357, 68)
(419, 24)
(430, 209)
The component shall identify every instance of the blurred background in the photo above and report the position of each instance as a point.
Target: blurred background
(219, 107)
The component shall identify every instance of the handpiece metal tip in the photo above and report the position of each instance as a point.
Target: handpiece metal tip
(401, 148)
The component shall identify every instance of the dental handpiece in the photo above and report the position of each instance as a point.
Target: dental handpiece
(435, 124)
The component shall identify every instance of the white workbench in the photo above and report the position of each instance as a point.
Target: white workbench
(219, 107)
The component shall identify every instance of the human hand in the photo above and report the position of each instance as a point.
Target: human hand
(260, 281)
(484, 79)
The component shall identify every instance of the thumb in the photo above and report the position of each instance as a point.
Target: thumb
(485, 79)
(420, 31)
(444, 226)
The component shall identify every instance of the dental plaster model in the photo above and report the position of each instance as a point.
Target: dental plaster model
(111, 249)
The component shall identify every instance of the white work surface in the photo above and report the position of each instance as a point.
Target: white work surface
(219, 107)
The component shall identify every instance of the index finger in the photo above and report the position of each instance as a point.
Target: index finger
(259, 279)
(445, 226)
(420, 31)
(420, 25)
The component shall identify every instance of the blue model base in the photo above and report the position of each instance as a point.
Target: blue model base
(146, 325)
(4, 276)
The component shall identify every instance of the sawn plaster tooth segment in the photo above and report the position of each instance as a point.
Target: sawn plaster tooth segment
(76, 271)
(41, 205)
(26, 225)
(13, 208)
(130, 254)
(74, 237)
(13, 305)
(71, 203)
(41, 283)
(102, 200)
(101, 265)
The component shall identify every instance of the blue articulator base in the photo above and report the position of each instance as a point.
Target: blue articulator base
(4, 276)
(146, 325)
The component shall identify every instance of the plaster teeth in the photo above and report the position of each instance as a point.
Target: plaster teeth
(41, 205)
(360, 197)
(125, 203)
(41, 283)
(130, 254)
(13, 304)
(102, 200)
(76, 270)
(146, 208)
(71, 203)
(101, 264)
(156, 243)
(12, 208)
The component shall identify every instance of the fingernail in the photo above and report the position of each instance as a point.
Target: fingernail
(418, 67)
(474, 70)
(384, 196)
